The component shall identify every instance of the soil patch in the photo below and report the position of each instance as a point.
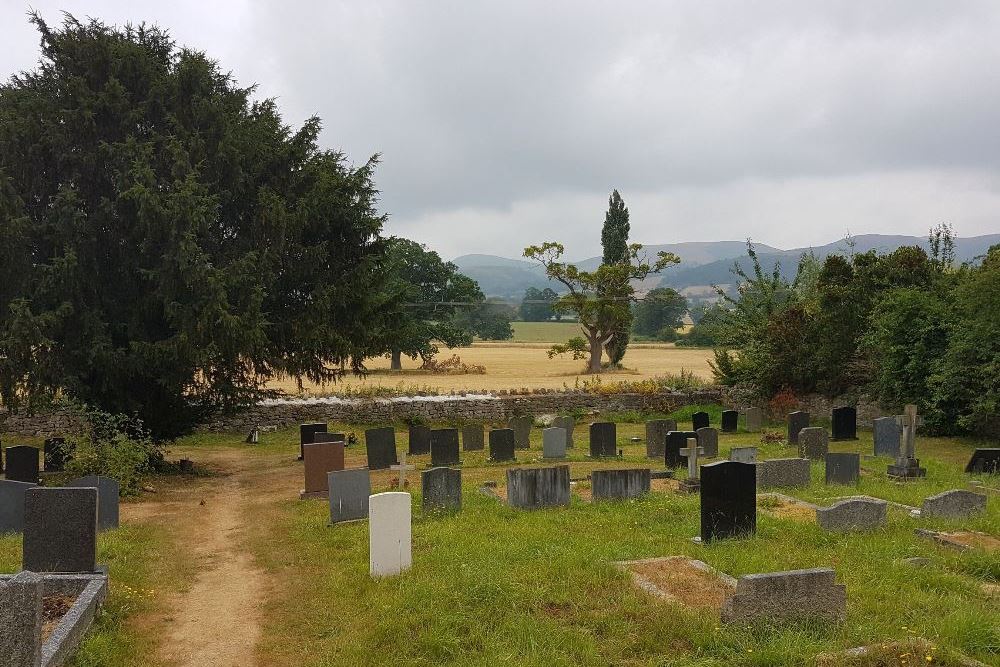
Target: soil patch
(690, 582)
(786, 508)
(917, 651)
(964, 539)
(54, 607)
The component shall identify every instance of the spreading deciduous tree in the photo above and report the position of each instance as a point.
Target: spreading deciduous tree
(659, 313)
(537, 304)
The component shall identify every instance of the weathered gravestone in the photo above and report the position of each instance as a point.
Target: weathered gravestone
(853, 514)
(728, 500)
(797, 421)
(21, 627)
(843, 468)
(814, 442)
(60, 530)
(708, 440)
(441, 489)
(743, 454)
(603, 439)
(472, 438)
(22, 464)
(954, 504)
(380, 445)
(656, 436)
(782, 473)
(730, 421)
(12, 505)
(886, 432)
(844, 423)
(306, 433)
(419, 440)
(676, 441)
(907, 466)
(321, 458)
(54, 454)
(401, 469)
(522, 431)
(692, 484)
(753, 419)
(502, 444)
(619, 484)
(390, 542)
(349, 491)
(984, 461)
(108, 492)
(787, 596)
(567, 424)
(534, 488)
(554, 443)
(699, 420)
(444, 447)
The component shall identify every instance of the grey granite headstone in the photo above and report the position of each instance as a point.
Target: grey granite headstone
(603, 439)
(753, 419)
(619, 484)
(708, 439)
(656, 436)
(444, 447)
(522, 431)
(843, 468)
(21, 620)
(814, 443)
(554, 443)
(473, 439)
(419, 440)
(533, 488)
(60, 530)
(743, 454)
(796, 422)
(782, 473)
(502, 444)
(699, 420)
(22, 464)
(793, 595)
(567, 424)
(441, 489)
(108, 492)
(954, 504)
(380, 444)
(349, 491)
(886, 432)
(12, 505)
(853, 514)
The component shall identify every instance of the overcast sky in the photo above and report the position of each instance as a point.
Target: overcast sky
(507, 123)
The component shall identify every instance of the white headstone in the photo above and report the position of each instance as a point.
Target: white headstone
(389, 537)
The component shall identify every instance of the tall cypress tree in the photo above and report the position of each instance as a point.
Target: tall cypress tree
(614, 239)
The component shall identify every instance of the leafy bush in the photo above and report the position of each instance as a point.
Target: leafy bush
(452, 366)
(115, 446)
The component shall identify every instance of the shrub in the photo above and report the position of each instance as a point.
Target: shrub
(115, 446)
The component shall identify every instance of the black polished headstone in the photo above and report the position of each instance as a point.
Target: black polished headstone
(420, 439)
(728, 500)
(472, 437)
(843, 468)
(444, 447)
(441, 489)
(380, 444)
(60, 530)
(676, 441)
(730, 421)
(22, 464)
(54, 454)
(603, 439)
(502, 444)
(699, 420)
(306, 433)
(796, 422)
(108, 492)
(844, 423)
(984, 460)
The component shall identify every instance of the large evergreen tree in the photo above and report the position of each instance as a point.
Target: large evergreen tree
(614, 240)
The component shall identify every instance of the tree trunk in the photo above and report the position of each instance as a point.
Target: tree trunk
(596, 350)
(397, 361)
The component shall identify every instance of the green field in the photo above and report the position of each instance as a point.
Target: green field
(544, 332)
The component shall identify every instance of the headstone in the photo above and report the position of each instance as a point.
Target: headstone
(54, 454)
(567, 424)
(656, 436)
(814, 442)
(444, 447)
(380, 444)
(522, 431)
(419, 440)
(60, 530)
(389, 534)
(321, 458)
(692, 483)
(324, 436)
(954, 504)
(843, 468)
(795, 595)
(907, 466)
(22, 464)
(472, 438)
(708, 440)
(401, 469)
(984, 461)
(782, 473)
(306, 433)
(21, 628)
(796, 422)
(844, 423)
(349, 491)
(886, 432)
(728, 500)
(753, 419)
(502, 444)
(743, 454)
(534, 488)
(253, 437)
(730, 421)
(554, 443)
(108, 492)
(603, 439)
(853, 514)
(619, 484)
(441, 489)
(676, 441)
(12, 505)
(699, 420)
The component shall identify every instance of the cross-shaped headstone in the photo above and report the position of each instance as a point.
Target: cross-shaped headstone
(691, 452)
(401, 469)
(909, 421)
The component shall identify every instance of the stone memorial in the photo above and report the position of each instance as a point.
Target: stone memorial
(390, 545)
(954, 504)
(534, 488)
(502, 444)
(708, 440)
(794, 595)
(22, 464)
(730, 421)
(108, 493)
(522, 431)
(699, 420)
(853, 514)
(444, 447)
(321, 458)
(743, 454)
(554, 443)
(54, 454)
(886, 433)
(349, 491)
(380, 445)
(843, 468)
(676, 441)
(603, 439)
(473, 439)
(60, 530)
(619, 484)
(692, 484)
(907, 466)
(782, 473)
(441, 489)
(567, 424)
(12, 505)
(844, 423)
(656, 436)
(753, 419)
(401, 469)
(814, 443)
(419, 440)
(306, 433)
(797, 421)
(984, 461)
(21, 614)
(324, 436)
(728, 500)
